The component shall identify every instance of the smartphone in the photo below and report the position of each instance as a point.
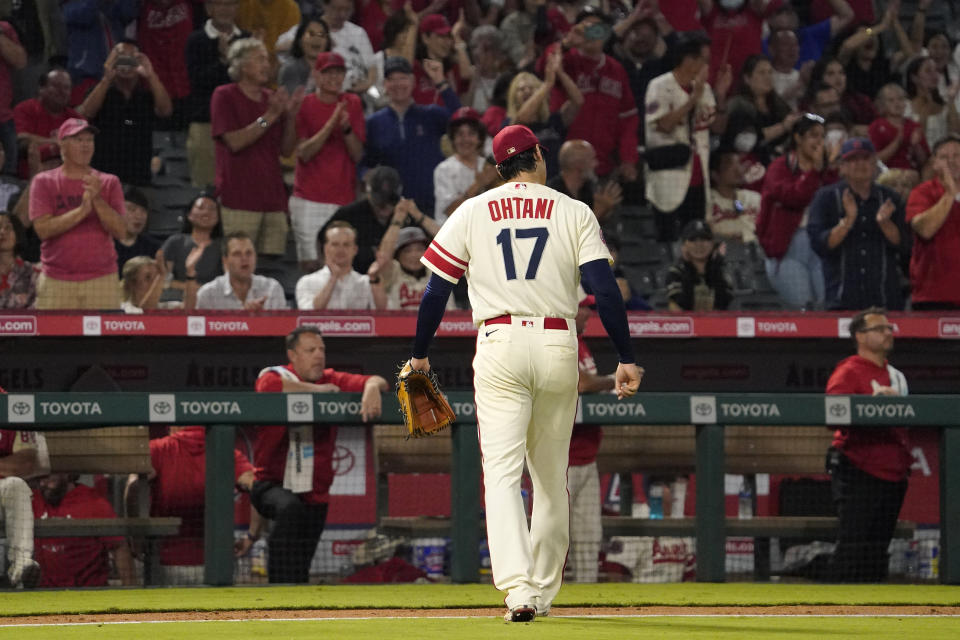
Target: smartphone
(126, 61)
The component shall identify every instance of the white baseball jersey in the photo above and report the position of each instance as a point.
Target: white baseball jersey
(667, 188)
(520, 246)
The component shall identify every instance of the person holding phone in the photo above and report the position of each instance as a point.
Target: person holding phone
(125, 105)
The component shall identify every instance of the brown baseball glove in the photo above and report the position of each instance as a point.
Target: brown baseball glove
(424, 408)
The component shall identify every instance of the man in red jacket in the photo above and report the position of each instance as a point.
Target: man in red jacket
(294, 465)
(868, 465)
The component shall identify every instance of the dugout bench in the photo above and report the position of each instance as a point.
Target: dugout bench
(644, 449)
(118, 451)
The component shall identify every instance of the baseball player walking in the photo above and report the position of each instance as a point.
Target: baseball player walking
(524, 248)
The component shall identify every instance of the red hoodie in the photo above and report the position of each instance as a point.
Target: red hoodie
(179, 489)
(787, 192)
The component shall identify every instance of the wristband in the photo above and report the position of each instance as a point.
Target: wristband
(263, 122)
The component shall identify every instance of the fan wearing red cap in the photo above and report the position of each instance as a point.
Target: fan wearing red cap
(524, 249)
(77, 211)
(440, 43)
(331, 132)
(466, 173)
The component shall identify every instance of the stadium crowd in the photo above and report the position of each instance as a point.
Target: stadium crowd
(815, 141)
(811, 147)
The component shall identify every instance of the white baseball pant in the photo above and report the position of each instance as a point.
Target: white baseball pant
(525, 377)
(16, 512)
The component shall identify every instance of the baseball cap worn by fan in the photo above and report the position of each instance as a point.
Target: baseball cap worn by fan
(384, 186)
(396, 64)
(696, 230)
(435, 23)
(410, 235)
(512, 140)
(856, 147)
(329, 60)
(73, 126)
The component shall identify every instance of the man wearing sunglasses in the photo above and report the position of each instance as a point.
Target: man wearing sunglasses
(868, 466)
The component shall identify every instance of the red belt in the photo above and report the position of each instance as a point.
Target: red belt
(548, 323)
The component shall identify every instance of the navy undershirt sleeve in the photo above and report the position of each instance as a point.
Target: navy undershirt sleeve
(599, 278)
(432, 306)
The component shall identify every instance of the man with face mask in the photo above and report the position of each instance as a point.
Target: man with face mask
(77, 562)
(608, 118)
(736, 29)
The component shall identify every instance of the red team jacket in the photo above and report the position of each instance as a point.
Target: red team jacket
(178, 490)
(272, 443)
(74, 562)
(881, 452)
(586, 438)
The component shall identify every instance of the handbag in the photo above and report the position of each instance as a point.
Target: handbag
(668, 156)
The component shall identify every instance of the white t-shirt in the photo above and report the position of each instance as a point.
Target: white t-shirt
(783, 83)
(735, 218)
(520, 246)
(351, 292)
(352, 43)
(451, 178)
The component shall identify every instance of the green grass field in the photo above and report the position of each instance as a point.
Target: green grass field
(472, 596)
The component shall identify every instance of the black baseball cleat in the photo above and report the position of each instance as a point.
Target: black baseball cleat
(521, 613)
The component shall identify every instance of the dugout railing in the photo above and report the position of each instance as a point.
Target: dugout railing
(709, 413)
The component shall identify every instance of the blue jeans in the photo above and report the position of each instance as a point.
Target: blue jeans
(798, 276)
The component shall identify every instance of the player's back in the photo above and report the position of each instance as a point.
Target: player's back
(520, 246)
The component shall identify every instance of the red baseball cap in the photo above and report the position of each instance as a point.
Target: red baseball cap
(512, 140)
(329, 60)
(435, 23)
(465, 113)
(73, 126)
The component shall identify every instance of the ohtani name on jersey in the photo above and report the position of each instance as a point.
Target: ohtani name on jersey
(516, 208)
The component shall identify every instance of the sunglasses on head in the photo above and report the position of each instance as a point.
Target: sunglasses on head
(812, 117)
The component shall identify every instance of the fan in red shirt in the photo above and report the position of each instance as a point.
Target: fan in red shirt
(736, 29)
(608, 118)
(933, 212)
(77, 562)
(294, 465)
(868, 465)
(177, 490)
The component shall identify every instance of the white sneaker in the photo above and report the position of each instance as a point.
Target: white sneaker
(521, 613)
(24, 574)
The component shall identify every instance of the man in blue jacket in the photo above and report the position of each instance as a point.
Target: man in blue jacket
(405, 135)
